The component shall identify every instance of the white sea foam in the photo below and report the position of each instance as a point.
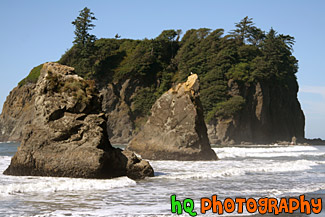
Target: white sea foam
(306, 189)
(287, 191)
(268, 152)
(242, 171)
(25, 184)
(4, 163)
(212, 169)
(104, 213)
(52, 184)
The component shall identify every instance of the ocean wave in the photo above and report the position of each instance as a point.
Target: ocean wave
(53, 184)
(10, 185)
(4, 163)
(216, 169)
(267, 152)
(8, 142)
(306, 189)
(104, 213)
(286, 192)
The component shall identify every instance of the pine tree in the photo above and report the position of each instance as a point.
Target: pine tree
(83, 24)
(247, 32)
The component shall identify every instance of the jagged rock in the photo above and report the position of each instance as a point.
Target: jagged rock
(120, 126)
(68, 135)
(176, 129)
(137, 168)
(271, 113)
(18, 110)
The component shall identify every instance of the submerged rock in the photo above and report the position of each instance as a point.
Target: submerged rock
(176, 129)
(68, 135)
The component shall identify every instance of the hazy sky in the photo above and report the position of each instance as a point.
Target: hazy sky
(34, 32)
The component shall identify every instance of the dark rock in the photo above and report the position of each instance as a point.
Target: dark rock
(317, 141)
(137, 168)
(68, 135)
(271, 113)
(115, 105)
(176, 129)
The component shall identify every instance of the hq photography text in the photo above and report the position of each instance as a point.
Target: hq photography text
(251, 205)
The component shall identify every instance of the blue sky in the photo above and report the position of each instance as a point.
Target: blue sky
(37, 31)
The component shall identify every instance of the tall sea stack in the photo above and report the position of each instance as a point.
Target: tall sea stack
(175, 129)
(68, 135)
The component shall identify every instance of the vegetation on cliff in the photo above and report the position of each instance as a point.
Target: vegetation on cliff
(246, 55)
(32, 77)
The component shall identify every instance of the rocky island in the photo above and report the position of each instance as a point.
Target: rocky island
(67, 136)
(248, 84)
(175, 129)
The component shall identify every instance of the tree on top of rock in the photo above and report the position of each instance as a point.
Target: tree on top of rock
(247, 32)
(83, 24)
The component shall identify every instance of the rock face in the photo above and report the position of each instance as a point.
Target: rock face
(18, 110)
(271, 113)
(116, 101)
(176, 129)
(68, 135)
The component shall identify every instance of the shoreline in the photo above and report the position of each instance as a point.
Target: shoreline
(224, 185)
(307, 142)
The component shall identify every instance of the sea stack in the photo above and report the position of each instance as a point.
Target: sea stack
(176, 129)
(68, 135)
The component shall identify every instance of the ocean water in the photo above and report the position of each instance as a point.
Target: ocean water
(248, 172)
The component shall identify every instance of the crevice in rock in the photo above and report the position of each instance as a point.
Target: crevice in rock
(57, 114)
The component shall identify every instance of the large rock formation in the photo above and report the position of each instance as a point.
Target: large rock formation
(176, 129)
(132, 74)
(68, 135)
(18, 111)
(271, 113)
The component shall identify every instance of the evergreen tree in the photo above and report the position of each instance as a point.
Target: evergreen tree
(83, 24)
(246, 56)
(243, 28)
(168, 35)
(247, 32)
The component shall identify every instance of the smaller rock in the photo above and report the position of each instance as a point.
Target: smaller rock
(176, 129)
(137, 168)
